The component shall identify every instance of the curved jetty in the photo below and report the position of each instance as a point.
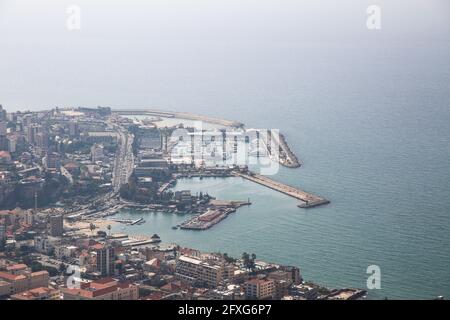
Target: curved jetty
(308, 200)
(180, 115)
(291, 160)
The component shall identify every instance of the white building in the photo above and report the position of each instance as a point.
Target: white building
(97, 152)
(65, 251)
(2, 232)
(3, 128)
(194, 270)
(46, 244)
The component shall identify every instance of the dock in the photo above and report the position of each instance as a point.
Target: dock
(308, 200)
(165, 186)
(219, 210)
(130, 222)
(140, 220)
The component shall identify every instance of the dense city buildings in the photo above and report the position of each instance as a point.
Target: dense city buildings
(259, 289)
(15, 282)
(104, 289)
(66, 172)
(42, 293)
(56, 226)
(105, 258)
(197, 271)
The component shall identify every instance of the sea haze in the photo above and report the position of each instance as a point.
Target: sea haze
(367, 112)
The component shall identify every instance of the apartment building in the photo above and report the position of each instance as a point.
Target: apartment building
(56, 226)
(41, 293)
(259, 289)
(105, 259)
(14, 283)
(194, 270)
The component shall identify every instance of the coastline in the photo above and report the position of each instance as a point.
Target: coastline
(82, 226)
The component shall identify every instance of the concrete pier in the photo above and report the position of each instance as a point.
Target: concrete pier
(281, 153)
(180, 115)
(308, 200)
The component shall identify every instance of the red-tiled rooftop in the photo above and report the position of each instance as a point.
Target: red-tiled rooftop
(172, 286)
(257, 281)
(71, 165)
(103, 281)
(98, 288)
(11, 277)
(30, 294)
(4, 154)
(97, 246)
(15, 267)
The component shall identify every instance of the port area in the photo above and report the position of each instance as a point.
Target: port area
(275, 144)
(219, 210)
(287, 157)
(308, 200)
(282, 154)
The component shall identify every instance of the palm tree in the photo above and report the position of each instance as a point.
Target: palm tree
(252, 262)
(109, 229)
(246, 259)
(92, 228)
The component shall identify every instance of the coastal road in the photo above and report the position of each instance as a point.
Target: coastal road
(123, 166)
(124, 160)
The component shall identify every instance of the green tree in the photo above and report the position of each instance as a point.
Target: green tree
(228, 258)
(2, 244)
(249, 260)
(246, 259)
(92, 228)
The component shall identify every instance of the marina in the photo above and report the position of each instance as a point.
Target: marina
(274, 142)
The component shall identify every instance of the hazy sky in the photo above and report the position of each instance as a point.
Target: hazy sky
(167, 52)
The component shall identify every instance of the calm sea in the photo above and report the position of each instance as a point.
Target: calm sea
(367, 112)
(379, 149)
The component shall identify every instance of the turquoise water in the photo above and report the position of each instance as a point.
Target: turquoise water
(378, 148)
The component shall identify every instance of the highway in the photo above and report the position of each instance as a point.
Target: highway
(122, 169)
(124, 161)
